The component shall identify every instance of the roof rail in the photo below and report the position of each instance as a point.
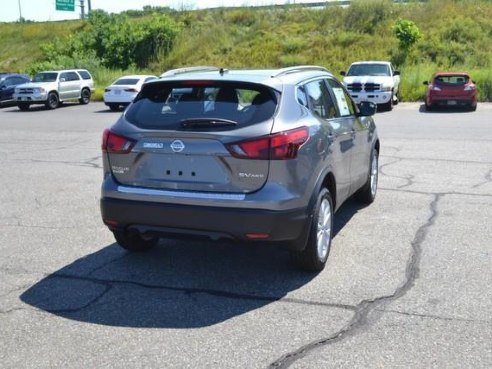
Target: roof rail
(174, 72)
(299, 68)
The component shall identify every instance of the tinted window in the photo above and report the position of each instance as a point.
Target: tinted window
(319, 100)
(45, 77)
(150, 79)
(167, 105)
(84, 74)
(72, 76)
(369, 70)
(459, 79)
(126, 81)
(19, 80)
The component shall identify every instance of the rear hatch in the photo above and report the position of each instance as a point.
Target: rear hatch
(195, 136)
(451, 86)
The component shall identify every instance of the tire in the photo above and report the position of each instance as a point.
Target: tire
(23, 106)
(472, 108)
(367, 193)
(53, 101)
(389, 105)
(313, 257)
(429, 107)
(114, 107)
(397, 100)
(85, 96)
(134, 241)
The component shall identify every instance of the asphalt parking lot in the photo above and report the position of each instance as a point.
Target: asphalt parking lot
(407, 284)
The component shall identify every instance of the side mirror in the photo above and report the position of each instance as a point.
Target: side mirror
(397, 73)
(3, 87)
(367, 108)
(62, 79)
(426, 83)
(342, 73)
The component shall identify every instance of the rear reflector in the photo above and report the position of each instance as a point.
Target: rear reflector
(279, 146)
(116, 144)
(110, 223)
(257, 236)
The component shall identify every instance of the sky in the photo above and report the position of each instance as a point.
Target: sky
(44, 10)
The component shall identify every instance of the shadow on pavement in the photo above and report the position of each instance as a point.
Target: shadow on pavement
(179, 284)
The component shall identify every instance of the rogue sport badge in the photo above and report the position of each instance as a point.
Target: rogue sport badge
(177, 146)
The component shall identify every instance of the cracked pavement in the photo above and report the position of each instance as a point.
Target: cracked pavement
(407, 283)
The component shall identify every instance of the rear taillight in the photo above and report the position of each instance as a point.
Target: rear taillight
(279, 146)
(116, 144)
(130, 90)
(107, 89)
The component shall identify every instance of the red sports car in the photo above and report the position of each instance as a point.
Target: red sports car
(451, 89)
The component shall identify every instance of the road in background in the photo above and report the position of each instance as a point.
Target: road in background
(407, 283)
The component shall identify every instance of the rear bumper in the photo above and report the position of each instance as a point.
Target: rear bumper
(212, 222)
(450, 101)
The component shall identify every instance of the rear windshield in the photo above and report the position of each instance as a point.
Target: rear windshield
(126, 81)
(369, 70)
(459, 79)
(45, 77)
(199, 105)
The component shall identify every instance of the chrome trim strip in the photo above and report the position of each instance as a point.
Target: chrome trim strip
(182, 194)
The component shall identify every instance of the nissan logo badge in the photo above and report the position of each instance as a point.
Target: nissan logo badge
(177, 146)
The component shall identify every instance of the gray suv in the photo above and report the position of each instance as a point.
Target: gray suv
(247, 155)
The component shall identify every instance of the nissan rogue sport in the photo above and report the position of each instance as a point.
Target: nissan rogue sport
(247, 155)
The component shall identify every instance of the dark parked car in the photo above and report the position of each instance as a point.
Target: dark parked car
(247, 155)
(451, 89)
(8, 81)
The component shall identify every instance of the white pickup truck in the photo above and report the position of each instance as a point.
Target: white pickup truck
(52, 88)
(375, 81)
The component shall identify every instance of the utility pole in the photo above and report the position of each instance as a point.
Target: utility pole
(82, 8)
(20, 12)
(89, 8)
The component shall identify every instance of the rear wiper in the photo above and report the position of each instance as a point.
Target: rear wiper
(207, 123)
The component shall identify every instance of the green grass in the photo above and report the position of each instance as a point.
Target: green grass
(19, 42)
(456, 36)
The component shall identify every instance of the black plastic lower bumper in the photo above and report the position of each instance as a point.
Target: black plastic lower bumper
(212, 222)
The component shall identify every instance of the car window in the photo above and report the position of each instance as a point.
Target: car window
(369, 70)
(149, 79)
(84, 74)
(45, 77)
(72, 76)
(320, 101)
(127, 81)
(344, 102)
(167, 105)
(459, 79)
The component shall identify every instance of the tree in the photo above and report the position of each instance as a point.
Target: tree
(407, 34)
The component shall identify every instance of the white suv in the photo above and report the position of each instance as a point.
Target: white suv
(54, 87)
(375, 81)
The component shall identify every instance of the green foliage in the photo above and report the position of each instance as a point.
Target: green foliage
(418, 37)
(407, 33)
(119, 43)
(366, 15)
